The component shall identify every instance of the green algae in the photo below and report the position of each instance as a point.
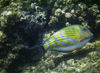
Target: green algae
(4, 3)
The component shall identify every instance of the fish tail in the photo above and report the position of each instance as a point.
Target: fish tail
(37, 52)
(42, 50)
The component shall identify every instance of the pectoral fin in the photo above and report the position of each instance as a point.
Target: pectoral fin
(74, 51)
(81, 39)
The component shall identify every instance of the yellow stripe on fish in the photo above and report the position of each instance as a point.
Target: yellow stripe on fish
(68, 38)
(61, 37)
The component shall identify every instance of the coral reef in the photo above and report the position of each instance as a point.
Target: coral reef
(26, 23)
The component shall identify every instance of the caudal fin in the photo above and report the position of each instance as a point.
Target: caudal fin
(37, 52)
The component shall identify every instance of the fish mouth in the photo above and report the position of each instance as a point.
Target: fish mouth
(91, 36)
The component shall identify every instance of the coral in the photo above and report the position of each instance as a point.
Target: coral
(22, 21)
(27, 23)
(4, 3)
(18, 26)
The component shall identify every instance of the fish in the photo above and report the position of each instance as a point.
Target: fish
(68, 39)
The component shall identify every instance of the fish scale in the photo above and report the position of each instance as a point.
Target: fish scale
(68, 38)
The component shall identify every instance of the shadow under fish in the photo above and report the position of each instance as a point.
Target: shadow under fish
(79, 55)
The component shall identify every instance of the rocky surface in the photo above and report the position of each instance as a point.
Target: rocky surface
(25, 24)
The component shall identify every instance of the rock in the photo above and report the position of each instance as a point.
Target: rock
(25, 24)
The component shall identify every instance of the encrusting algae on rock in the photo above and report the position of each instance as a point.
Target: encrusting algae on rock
(26, 18)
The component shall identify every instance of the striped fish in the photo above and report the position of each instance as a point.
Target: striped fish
(67, 39)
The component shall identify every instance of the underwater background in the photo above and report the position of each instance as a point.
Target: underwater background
(27, 23)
